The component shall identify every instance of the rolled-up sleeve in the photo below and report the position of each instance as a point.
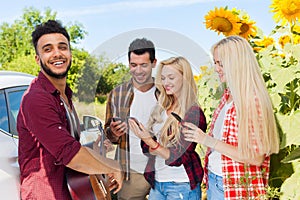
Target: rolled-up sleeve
(180, 154)
(49, 127)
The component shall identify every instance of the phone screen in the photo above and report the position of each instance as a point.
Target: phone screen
(115, 119)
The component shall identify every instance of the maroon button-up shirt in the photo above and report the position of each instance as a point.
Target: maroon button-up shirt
(45, 143)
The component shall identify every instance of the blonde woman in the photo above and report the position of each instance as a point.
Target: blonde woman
(243, 132)
(174, 169)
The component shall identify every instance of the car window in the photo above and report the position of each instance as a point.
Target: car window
(14, 97)
(3, 112)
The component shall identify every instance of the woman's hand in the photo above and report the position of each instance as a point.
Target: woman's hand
(192, 133)
(138, 129)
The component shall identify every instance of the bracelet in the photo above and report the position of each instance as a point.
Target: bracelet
(154, 148)
(210, 141)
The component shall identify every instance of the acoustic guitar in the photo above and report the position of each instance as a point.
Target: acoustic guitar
(89, 187)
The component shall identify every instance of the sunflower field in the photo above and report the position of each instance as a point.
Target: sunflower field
(279, 56)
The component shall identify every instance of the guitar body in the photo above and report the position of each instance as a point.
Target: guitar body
(83, 186)
(87, 187)
(79, 185)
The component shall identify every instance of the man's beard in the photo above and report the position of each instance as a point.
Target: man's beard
(49, 72)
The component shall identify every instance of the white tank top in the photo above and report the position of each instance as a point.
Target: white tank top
(163, 172)
(214, 158)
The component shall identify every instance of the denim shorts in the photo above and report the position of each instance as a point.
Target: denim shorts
(215, 189)
(174, 190)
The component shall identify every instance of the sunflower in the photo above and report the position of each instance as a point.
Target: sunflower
(247, 27)
(296, 39)
(296, 34)
(281, 55)
(257, 49)
(284, 39)
(286, 11)
(222, 21)
(263, 43)
(268, 41)
(296, 29)
(197, 78)
(203, 68)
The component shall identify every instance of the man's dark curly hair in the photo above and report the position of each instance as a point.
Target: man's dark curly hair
(51, 26)
(140, 46)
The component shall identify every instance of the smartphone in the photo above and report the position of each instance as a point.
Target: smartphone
(177, 117)
(115, 119)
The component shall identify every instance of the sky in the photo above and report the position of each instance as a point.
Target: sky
(104, 20)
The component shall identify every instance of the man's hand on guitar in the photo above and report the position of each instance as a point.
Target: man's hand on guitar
(115, 181)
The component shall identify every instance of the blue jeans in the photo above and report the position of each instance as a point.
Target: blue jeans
(174, 190)
(215, 189)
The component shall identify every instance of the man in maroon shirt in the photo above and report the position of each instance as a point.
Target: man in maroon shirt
(46, 144)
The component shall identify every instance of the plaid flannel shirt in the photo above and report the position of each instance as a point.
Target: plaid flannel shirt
(118, 104)
(183, 154)
(240, 181)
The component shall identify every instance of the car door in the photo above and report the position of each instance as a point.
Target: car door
(10, 99)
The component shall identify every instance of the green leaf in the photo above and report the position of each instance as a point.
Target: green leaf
(290, 125)
(276, 100)
(290, 187)
(296, 52)
(282, 76)
(293, 156)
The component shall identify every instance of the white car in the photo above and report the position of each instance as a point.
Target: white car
(12, 87)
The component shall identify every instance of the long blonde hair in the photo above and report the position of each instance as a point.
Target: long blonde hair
(170, 133)
(255, 117)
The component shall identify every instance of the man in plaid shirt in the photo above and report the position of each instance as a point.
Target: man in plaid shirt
(134, 98)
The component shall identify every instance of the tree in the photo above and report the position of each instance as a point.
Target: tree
(87, 82)
(111, 75)
(89, 77)
(18, 52)
(98, 77)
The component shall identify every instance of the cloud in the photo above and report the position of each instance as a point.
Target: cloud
(130, 5)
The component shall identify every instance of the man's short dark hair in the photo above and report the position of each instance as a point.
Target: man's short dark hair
(51, 26)
(141, 46)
